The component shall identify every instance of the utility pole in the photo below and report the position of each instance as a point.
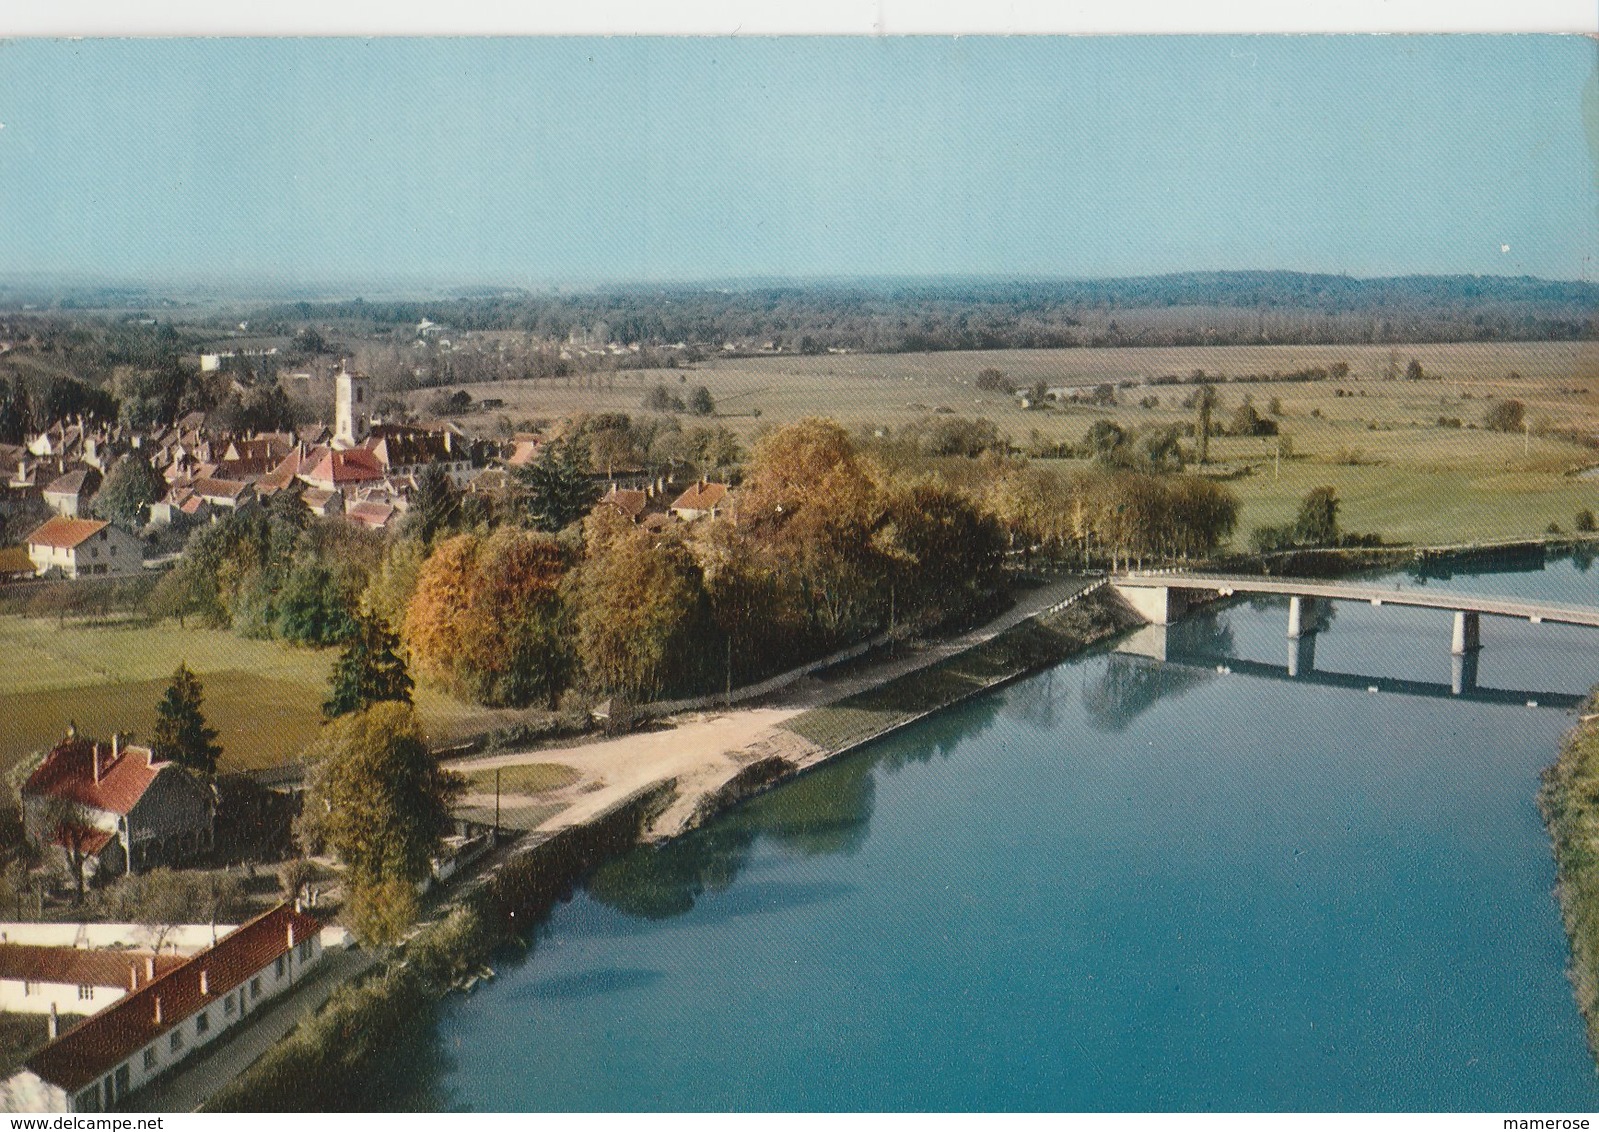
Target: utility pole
(729, 692)
(496, 805)
(1277, 462)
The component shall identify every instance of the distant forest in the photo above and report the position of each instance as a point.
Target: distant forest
(1218, 308)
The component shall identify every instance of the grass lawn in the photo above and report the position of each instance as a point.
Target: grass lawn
(524, 778)
(263, 697)
(1027, 647)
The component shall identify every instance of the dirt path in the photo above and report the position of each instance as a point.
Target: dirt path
(702, 751)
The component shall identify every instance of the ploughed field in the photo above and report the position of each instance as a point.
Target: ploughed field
(1398, 470)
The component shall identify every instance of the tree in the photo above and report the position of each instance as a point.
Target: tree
(313, 607)
(162, 899)
(436, 503)
(1584, 521)
(660, 399)
(557, 487)
(1506, 416)
(64, 823)
(128, 491)
(1247, 422)
(1205, 403)
(1038, 394)
(488, 618)
(181, 734)
(1413, 371)
(369, 671)
(379, 799)
(642, 616)
(1105, 439)
(994, 380)
(1317, 521)
(700, 402)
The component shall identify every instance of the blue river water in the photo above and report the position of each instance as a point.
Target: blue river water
(1122, 884)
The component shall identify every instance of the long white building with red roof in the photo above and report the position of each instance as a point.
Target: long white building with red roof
(99, 1063)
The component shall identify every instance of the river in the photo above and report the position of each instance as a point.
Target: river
(1117, 885)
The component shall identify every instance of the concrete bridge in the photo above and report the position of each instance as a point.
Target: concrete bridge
(1162, 599)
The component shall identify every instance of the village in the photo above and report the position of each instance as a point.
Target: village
(102, 1006)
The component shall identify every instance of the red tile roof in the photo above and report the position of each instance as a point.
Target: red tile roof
(84, 966)
(355, 465)
(65, 533)
(69, 772)
(217, 488)
(371, 514)
(630, 503)
(105, 1040)
(701, 497)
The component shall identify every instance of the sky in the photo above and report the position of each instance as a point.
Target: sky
(541, 162)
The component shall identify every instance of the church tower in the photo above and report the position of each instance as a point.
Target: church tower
(352, 415)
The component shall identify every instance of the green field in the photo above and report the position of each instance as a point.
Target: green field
(263, 697)
(1399, 472)
(523, 778)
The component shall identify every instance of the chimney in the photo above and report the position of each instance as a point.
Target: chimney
(291, 935)
(205, 982)
(116, 745)
(94, 749)
(133, 976)
(149, 967)
(158, 1010)
(54, 1029)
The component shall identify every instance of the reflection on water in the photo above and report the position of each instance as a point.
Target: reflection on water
(1512, 560)
(824, 812)
(1178, 888)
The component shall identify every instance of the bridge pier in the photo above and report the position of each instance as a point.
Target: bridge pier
(1302, 654)
(1301, 617)
(1468, 632)
(1463, 673)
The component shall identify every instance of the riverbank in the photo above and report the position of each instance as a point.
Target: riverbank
(340, 1059)
(1569, 801)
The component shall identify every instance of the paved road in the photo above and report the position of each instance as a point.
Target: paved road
(1428, 598)
(198, 1079)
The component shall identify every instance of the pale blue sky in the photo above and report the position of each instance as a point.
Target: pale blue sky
(583, 160)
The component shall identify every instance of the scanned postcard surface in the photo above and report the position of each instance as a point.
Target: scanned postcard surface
(927, 574)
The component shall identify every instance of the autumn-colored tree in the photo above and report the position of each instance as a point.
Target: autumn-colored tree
(643, 622)
(487, 618)
(812, 505)
(944, 550)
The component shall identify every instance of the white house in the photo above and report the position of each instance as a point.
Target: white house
(73, 980)
(98, 1064)
(81, 548)
(69, 494)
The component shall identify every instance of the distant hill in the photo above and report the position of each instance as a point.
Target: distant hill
(893, 315)
(1196, 308)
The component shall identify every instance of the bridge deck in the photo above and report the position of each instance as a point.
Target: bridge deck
(1336, 591)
